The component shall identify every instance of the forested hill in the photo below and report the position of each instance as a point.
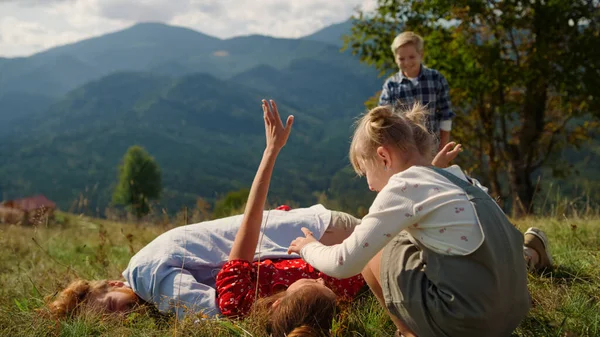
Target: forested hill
(192, 101)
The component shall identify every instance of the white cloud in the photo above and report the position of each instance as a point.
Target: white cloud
(143, 10)
(25, 37)
(34, 25)
(268, 17)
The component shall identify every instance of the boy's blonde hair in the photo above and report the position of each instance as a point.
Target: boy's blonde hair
(407, 38)
(383, 125)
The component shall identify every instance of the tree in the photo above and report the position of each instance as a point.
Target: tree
(232, 203)
(139, 182)
(524, 78)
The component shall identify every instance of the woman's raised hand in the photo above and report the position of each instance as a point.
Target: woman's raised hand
(277, 135)
(246, 239)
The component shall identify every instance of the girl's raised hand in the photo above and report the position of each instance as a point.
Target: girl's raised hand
(277, 135)
(446, 155)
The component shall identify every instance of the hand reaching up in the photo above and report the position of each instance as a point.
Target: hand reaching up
(446, 155)
(246, 239)
(277, 135)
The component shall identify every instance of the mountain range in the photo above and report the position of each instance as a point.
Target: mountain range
(68, 114)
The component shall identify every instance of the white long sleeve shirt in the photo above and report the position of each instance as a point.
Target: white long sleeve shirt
(433, 210)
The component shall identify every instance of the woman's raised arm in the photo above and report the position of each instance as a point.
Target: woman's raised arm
(246, 239)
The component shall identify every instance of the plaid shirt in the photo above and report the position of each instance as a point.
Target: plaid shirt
(431, 90)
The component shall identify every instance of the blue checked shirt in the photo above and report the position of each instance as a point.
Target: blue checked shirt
(431, 90)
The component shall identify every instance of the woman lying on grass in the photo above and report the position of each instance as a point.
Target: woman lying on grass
(202, 269)
(177, 270)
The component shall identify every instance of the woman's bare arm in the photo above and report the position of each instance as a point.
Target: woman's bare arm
(246, 239)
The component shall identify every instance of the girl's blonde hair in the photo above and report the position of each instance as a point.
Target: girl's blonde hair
(383, 126)
(406, 38)
(304, 313)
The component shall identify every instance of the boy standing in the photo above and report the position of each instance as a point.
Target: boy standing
(417, 83)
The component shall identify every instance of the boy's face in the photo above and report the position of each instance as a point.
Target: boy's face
(409, 60)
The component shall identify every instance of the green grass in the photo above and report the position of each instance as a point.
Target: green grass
(37, 261)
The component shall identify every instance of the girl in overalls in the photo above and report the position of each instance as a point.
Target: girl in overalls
(436, 250)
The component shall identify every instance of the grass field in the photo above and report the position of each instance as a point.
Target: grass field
(37, 261)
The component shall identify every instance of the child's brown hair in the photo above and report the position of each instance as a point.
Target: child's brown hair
(305, 312)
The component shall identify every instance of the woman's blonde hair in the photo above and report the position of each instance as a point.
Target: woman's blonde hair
(383, 126)
(306, 312)
(406, 38)
(70, 299)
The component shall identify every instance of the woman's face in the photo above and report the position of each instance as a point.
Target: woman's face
(118, 298)
(318, 284)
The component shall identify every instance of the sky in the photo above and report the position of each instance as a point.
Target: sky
(31, 26)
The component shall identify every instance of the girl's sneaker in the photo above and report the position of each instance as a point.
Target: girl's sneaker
(536, 239)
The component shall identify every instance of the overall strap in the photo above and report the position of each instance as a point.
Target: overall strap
(454, 179)
(472, 191)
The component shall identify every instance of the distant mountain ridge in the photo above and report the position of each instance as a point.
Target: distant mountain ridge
(332, 34)
(154, 48)
(149, 46)
(204, 127)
